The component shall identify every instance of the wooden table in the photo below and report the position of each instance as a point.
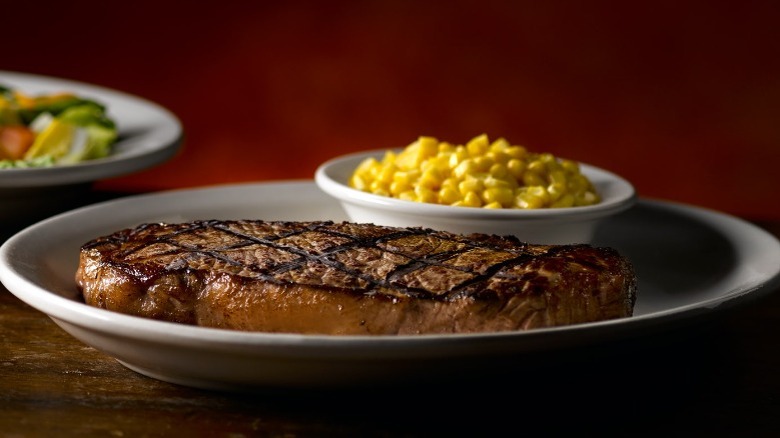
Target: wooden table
(716, 377)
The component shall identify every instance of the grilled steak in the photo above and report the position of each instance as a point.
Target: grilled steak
(347, 278)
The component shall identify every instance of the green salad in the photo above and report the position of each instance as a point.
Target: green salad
(52, 129)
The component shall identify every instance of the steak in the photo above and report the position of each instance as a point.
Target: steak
(322, 277)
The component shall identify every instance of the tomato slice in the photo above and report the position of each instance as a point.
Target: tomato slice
(15, 140)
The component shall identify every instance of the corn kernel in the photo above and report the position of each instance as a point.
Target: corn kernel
(397, 187)
(501, 195)
(547, 157)
(492, 182)
(424, 194)
(500, 171)
(558, 176)
(478, 145)
(466, 167)
(402, 177)
(430, 179)
(578, 183)
(499, 145)
(531, 197)
(471, 184)
(378, 186)
(366, 165)
(450, 183)
(533, 178)
(570, 166)
(380, 191)
(566, 200)
(537, 166)
(472, 199)
(458, 156)
(483, 164)
(429, 146)
(528, 201)
(516, 167)
(446, 148)
(407, 195)
(498, 157)
(556, 190)
(449, 195)
(358, 182)
(518, 152)
(539, 192)
(385, 174)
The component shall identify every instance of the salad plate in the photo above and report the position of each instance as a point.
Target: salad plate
(690, 262)
(148, 135)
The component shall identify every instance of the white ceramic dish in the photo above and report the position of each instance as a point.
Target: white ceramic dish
(548, 225)
(148, 135)
(690, 262)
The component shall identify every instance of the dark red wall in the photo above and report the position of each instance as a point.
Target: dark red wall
(682, 98)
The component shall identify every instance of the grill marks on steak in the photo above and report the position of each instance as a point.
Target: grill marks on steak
(326, 277)
(410, 262)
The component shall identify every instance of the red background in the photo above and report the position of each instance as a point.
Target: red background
(682, 98)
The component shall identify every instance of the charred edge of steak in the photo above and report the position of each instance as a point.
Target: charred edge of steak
(473, 261)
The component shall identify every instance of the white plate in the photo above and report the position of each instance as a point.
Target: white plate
(148, 135)
(690, 262)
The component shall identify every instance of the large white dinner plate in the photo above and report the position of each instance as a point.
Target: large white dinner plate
(690, 262)
(148, 134)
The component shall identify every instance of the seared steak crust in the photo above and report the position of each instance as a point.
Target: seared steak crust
(347, 278)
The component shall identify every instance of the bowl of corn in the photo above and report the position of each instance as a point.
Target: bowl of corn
(482, 186)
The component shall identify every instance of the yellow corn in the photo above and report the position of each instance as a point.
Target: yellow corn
(478, 174)
(407, 195)
(386, 174)
(430, 178)
(533, 178)
(445, 147)
(499, 145)
(424, 194)
(556, 191)
(472, 199)
(465, 167)
(567, 200)
(396, 188)
(378, 186)
(518, 152)
(477, 146)
(471, 184)
(501, 195)
(358, 182)
(532, 197)
(516, 167)
(483, 163)
(448, 195)
(537, 166)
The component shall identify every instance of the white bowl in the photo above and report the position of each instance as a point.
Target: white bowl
(543, 226)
